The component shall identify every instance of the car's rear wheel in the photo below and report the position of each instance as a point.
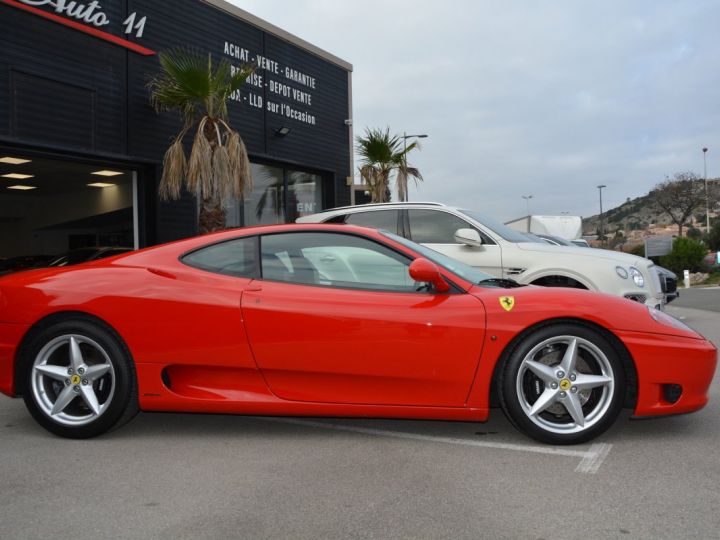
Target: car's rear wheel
(78, 379)
(563, 384)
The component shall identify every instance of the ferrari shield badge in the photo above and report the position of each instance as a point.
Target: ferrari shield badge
(507, 302)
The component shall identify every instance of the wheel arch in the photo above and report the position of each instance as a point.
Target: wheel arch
(628, 363)
(48, 320)
(539, 278)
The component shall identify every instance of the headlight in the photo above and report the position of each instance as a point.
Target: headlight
(620, 271)
(668, 320)
(637, 277)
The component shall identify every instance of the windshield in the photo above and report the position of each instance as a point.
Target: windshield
(498, 228)
(468, 273)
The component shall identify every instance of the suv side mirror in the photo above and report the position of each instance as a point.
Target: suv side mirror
(469, 237)
(425, 271)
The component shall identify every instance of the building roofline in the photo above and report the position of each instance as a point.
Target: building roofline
(278, 32)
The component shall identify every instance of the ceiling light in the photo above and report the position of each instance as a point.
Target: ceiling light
(107, 172)
(21, 187)
(18, 176)
(101, 184)
(13, 160)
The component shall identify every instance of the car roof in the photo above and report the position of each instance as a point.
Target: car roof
(385, 205)
(179, 247)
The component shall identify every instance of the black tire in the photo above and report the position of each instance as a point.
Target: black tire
(103, 368)
(539, 397)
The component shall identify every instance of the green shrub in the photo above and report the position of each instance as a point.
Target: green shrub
(686, 254)
(694, 233)
(713, 239)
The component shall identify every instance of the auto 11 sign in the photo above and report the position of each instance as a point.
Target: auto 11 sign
(88, 18)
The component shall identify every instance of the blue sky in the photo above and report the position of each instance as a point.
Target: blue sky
(521, 97)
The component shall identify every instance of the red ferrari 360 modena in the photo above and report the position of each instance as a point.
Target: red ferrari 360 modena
(333, 320)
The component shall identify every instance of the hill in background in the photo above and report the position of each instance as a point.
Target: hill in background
(640, 217)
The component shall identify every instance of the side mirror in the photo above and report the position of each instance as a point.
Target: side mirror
(426, 271)
(469, 237)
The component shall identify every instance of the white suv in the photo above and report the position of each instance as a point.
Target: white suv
(489, 245)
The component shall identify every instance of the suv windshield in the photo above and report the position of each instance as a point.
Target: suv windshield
(468, 273)
(504, 231)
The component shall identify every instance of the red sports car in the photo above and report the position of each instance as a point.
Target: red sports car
(333, 320)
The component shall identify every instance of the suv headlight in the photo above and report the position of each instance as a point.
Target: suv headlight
(637, 276)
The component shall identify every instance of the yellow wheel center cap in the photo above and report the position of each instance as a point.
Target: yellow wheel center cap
(565, 385)
(75, 379)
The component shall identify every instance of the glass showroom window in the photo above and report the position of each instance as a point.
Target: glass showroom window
(264, 204)
(278, 196)
(304, 194)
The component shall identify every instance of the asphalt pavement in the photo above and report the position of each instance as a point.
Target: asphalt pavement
(707, 298)
(180, 476)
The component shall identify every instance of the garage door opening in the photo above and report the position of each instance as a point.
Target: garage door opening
(50, 209)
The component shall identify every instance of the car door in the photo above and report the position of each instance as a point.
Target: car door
(337, 319)
(436, 228)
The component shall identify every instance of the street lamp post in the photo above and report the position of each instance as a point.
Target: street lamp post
(527, 200)
(707, 196)
(602, 231)
(405, 137)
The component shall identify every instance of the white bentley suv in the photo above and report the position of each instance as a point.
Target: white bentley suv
(489, 245)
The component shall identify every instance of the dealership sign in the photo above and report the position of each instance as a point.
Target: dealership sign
(289, 91)
(87, 18)
(658, 246)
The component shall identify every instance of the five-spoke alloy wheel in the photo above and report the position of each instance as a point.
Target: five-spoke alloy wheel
(563, 384)
(79, 380)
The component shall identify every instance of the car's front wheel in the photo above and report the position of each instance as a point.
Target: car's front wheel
(563, 384)
(78, 379)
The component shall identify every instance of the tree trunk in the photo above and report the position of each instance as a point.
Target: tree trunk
(212, 213)
(212, 216)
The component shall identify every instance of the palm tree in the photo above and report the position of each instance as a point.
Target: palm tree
(383, 154)
(218, 166)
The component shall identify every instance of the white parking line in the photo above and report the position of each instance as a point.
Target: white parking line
(590, 460)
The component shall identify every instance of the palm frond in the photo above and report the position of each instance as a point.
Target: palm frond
(239, 164)
(377, 146)
(174, 167)
(188, 71)
(199, 174)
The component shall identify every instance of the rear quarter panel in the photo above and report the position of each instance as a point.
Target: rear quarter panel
(165, 316)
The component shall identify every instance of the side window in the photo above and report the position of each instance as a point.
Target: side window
(334, 260)
(379, 219)
(233, 258)
(436, 227)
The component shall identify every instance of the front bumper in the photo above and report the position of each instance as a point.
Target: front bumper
(663, 362)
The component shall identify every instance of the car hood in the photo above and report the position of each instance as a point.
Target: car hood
(532, 305)
(592, 253)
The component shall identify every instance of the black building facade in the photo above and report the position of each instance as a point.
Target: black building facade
(81, 147)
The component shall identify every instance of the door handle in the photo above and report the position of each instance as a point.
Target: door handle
(254, 287)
